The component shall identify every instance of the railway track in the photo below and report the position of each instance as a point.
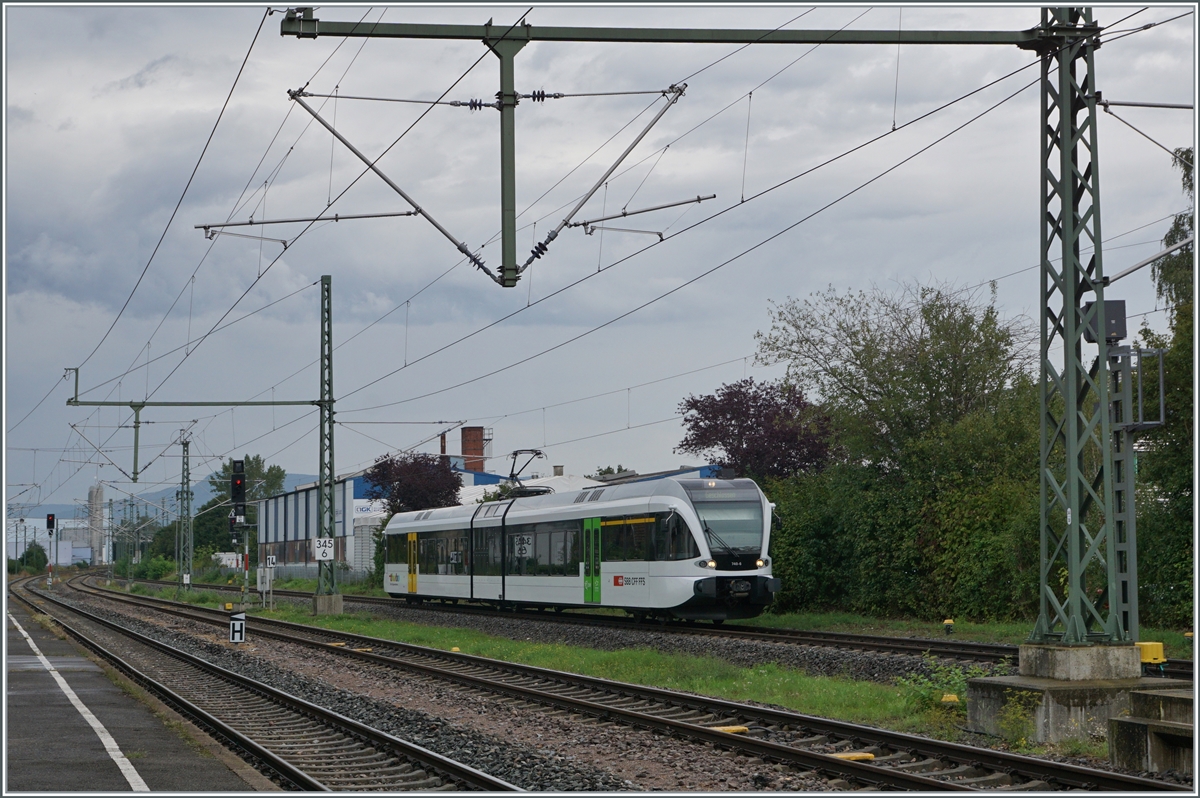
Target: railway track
(948, 648)
(848, 754)
(302, 745)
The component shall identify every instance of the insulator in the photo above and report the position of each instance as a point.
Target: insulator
(537, 251)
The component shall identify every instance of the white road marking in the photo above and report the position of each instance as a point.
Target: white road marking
(110, 745)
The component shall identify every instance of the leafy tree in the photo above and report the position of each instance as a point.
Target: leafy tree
(929, 506)
(261, 480)
(1165, 470)
(503, 491)
(889, 367)
(605, 471)
(765, 429)
(412, 481)
(34, 558)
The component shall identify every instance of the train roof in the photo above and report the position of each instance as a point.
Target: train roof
(685, 489)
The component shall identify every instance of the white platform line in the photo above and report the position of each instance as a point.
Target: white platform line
(110, 745)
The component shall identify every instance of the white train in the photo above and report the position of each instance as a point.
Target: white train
(667, 548)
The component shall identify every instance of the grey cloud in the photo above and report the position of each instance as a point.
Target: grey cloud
(143, 77)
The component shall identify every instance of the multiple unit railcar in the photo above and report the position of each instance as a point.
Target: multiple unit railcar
(689, 548)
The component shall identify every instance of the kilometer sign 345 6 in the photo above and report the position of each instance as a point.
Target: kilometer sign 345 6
(323, 549)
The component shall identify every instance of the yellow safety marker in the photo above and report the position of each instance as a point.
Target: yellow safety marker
(855, 756)
(455, 648)
(949, 698)
(362, 649)
(228, 605)
(1151, 653)
(337, 644)
(731, 729)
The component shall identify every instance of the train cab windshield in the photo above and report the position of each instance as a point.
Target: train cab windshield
(731, 514)
(732, 527)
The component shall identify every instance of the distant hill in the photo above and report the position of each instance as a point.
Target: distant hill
(201, 493)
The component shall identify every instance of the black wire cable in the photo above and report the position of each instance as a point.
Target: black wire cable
(694, 225)
(238, 203)
(310, 224)
(178, 204)
(705, 273)
(189, 343)
(1138, 30)
(335, 200)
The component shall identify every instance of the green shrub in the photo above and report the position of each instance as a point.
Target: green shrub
(924, 692)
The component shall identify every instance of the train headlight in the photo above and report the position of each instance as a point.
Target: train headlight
(762, 562)
(706, 563)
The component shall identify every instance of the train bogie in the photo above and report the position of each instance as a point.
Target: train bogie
(691, 549)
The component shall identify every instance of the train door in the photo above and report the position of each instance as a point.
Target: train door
(412, 562)
(591, 560)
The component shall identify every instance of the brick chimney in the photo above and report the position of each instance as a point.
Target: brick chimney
(472, 448)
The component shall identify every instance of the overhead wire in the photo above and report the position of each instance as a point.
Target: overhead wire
(179, 203)
(1143, 29)
(696, 224)
(344, 191)
(495, 236)
(696, 278)
(340, 195)
(250, 180)
(1165, 149)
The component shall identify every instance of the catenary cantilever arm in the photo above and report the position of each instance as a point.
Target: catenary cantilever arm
(461, 247)
(672, 94)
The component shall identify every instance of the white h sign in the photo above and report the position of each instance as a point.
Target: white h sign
(237, 627)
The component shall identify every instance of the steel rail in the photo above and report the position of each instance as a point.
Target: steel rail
(1066, 776)
(867, 774)
(449, 768)
(954, 649)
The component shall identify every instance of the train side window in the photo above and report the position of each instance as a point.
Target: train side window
(521, 559)
(637, 539)
(673, 540)
(612, 538)
(487, 551)
(573, 546)
(396, 551)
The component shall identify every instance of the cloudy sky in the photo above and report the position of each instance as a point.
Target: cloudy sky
(109, 109)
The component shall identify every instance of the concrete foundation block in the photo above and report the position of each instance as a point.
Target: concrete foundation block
(1141, 744)
(1052, 710)
(1169, 705)
(1080, 663)
(1149, 742)
(327, 605)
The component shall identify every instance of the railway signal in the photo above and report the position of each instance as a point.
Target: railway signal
(50, 522)
(237, 488)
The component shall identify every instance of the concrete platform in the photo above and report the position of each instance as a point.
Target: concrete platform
(52, 748)
(1158, 736)
(1054, 709)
